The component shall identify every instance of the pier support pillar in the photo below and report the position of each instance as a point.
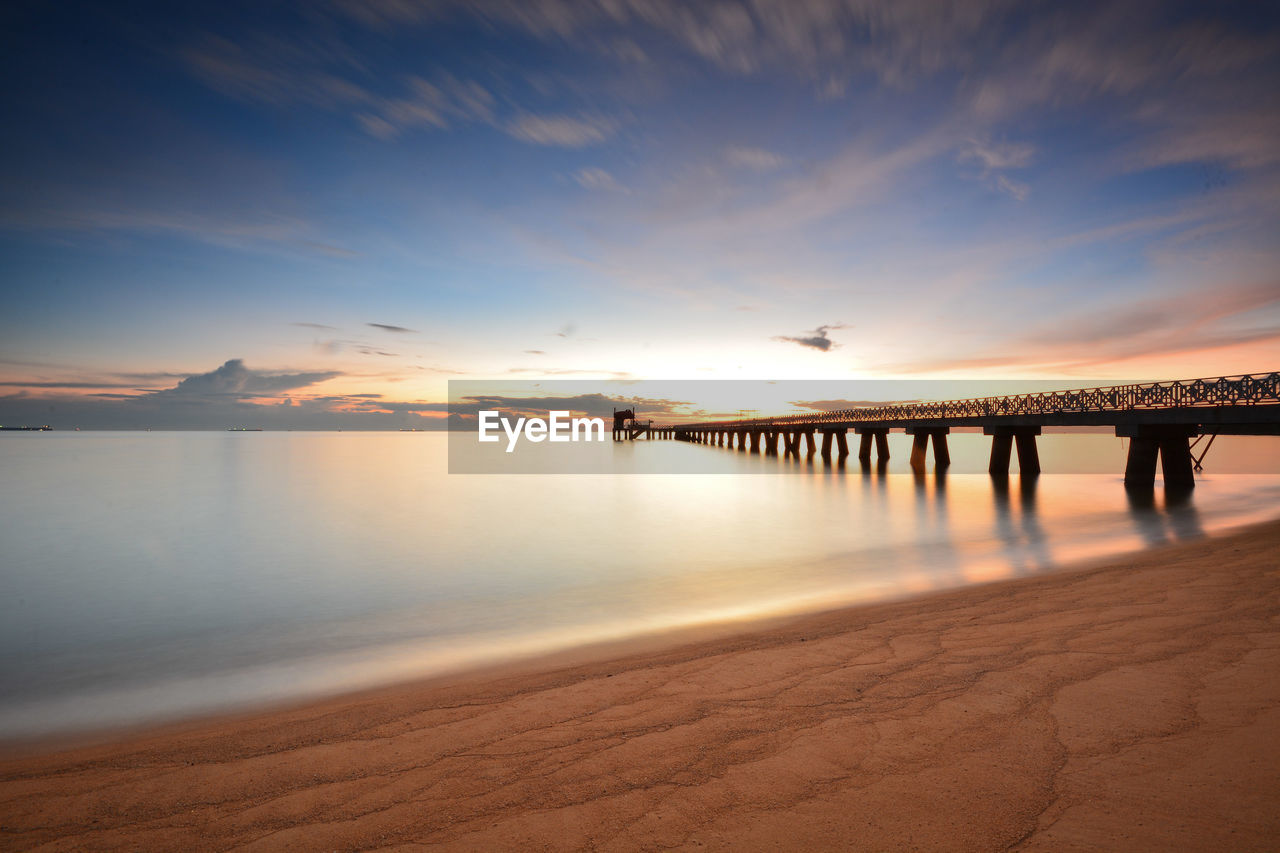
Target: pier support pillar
(941, 453)
(1002, 442)
(1140, 467)
(1028, 454)
(826, 445)
(771, 443)
(1175, 462)
(920, 446)
(867, 435)
(755, 441)
(1170, 443)
(842, 444)
(1001, 451)
(810, 445)
(919, 450)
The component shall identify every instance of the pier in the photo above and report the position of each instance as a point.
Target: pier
(627, 428)
(1164, 421)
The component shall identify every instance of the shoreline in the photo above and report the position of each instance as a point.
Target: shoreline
(970, 718)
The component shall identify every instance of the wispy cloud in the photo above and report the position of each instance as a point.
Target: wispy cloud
(425, 103)
(593, 178)
(399, 330)
(997, 156)
(817, 339)
(994, 159)
(562, 130)
(758, 159)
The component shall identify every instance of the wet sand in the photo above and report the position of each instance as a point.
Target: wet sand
(1131, 706)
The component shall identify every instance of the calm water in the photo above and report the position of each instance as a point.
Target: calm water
(152, 575)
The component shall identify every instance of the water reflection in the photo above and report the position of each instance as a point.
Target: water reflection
(1176, 520)
(1026, 543)
(224, 552)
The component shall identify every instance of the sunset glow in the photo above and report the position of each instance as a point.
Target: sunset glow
(338, 207)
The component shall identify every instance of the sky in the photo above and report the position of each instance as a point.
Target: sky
(316, 214)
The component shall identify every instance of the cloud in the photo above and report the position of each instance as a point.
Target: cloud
(994, 159)
(828, 40)
(168, 411)
(572, 371)
(233, 379)
(320, 326)
(592, 405)
(68, 385)
(561, 130)
(566, 331)
(838, 405)
(1178, 323)
(225, 228)
(817, 339)
(536, 352)
(328, 249)
(754, 158)
(432, 104)
(598, 179)
(400, 330)
(276, 70)
(281, 71)
(1238, 136)
(1012, 188)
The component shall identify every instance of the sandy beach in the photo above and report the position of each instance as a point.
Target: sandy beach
(1133, 705)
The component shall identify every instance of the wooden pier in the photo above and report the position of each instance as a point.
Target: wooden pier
(1162, 421)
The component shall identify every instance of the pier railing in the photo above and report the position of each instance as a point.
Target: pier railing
(1243, 390)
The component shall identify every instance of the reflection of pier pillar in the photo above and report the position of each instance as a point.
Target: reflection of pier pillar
(1002, 443)
(866, 435)
(920, 446)
(1170, 443)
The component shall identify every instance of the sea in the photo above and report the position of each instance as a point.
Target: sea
(156, 576)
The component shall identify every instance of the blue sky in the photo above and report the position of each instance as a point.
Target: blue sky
(635, 188)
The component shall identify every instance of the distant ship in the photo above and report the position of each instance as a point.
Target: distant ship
(45, 428)
(244, 429)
